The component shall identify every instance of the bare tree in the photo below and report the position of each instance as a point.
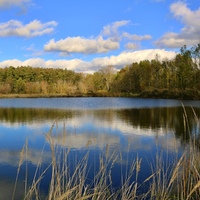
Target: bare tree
(108, 75)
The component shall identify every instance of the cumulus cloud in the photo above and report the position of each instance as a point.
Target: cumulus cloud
(82, 45)
(187, 16)
(109, 39)
(111, 30)
(106, 41)
(130, 57)
(74, 64)
(135, 38)
(189, 34)
(79, 65)
(8, 63)
(32, 29)
(8, 3)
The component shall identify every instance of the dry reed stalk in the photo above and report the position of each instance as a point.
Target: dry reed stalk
(22, 153)
(178, 181)
(185, 118)
(193, 189)
(62, 183)
(102, 180)
(130, 188)
(34, 188)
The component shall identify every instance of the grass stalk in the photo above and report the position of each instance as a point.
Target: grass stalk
(22, 153)
(173, 178)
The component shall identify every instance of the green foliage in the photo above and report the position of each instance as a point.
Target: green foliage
(176, 78)
(29, 80)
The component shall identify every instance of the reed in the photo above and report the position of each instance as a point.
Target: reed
(178, 178)
(170, 179)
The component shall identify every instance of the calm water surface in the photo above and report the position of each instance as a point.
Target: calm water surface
(127, 126)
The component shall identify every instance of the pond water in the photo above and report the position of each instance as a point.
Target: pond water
(130, 127)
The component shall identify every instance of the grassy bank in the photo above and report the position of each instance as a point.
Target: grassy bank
(173, 179)
(40, 95)
(187, 94)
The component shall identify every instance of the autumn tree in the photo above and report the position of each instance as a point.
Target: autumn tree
(108, 76)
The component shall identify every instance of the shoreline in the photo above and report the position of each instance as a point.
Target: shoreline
(154, 94)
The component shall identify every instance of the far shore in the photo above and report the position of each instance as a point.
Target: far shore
(156, 93)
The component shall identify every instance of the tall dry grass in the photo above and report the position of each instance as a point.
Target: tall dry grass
(180, 178)
(174, 179)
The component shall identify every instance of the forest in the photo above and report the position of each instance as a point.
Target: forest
(177, 78)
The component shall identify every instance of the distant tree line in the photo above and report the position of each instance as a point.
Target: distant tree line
(179, 77)
(29, 80)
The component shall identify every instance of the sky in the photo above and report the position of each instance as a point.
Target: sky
(86, 35)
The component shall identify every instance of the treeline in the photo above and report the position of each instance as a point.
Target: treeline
(176, 78)
(29, 80)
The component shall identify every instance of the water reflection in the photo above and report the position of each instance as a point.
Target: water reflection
(136, 131)
(77, 129)
(143, 122)
(31, 115)
(179, 120)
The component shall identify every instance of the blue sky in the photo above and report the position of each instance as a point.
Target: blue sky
(86, 35)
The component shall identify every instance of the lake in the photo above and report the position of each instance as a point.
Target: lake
(124, 129)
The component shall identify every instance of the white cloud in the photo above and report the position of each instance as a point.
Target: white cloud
(189, 34)
(8, 3)
(136, 37)
(79, 65)
(108, 40)
(74, 64)
(36, 62)
(182, 12)
(82, 45)
(8, 63)
(32, 29)
(112, 31)
(91, 45)
(130, 57)
(131, 46)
